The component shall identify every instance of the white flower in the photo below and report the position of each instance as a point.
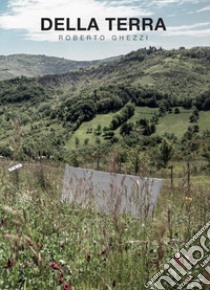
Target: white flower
(62, 262)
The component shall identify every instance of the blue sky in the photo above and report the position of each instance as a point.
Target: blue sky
(187, 21)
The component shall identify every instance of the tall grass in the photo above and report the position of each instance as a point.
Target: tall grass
(45, 244)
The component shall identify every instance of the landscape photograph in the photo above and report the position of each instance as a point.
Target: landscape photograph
(105, 145)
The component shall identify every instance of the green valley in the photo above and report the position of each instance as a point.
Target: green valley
(134, 101)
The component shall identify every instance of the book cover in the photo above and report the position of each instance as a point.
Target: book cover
(119, 90)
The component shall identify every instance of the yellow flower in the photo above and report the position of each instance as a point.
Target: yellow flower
(188, 198)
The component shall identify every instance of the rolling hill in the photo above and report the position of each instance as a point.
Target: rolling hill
(179, 73)
(47, 113)
(17, 65)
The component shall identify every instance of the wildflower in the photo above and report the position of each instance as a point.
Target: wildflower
(67, 287)
(60, 278)
(55, 266)
(189, 199)
(22, 265)
(62, 262)
(9, 264)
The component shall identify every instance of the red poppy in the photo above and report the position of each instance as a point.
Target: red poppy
(67, 287)
(60, 278)
(55, 265)
(9, 264)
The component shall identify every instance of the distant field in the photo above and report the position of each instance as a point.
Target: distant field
(104, 121)
(143, 112)
(174, 123)
(204, 120)
(170, 123)
(81, 133)
(178, 123)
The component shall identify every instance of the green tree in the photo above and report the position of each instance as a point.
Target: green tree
(98, 127)
(97, 141)
(176, 111)
(86, 141)
(165, 152)
(126, 129)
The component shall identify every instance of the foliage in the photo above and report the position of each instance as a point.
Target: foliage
(21, 90)
(126, 113)
(147, 127)
(166, 151)
(126, 129)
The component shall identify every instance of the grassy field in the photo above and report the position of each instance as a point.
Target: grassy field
(141, 113)
(173, 123)
(82, 132)
(204, 121)
(104, 121)
(49, 245)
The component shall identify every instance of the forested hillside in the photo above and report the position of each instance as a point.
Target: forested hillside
(137, 100)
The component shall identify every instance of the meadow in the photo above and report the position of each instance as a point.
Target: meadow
(46, 244)
(172, 123)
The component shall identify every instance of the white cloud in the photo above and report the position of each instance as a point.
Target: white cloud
(196, 30)
(172, 15)
(162, 3)
(187, 27)
(26, 14)
(204, 9)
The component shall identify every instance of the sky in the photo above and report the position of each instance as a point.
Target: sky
(187, 23)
